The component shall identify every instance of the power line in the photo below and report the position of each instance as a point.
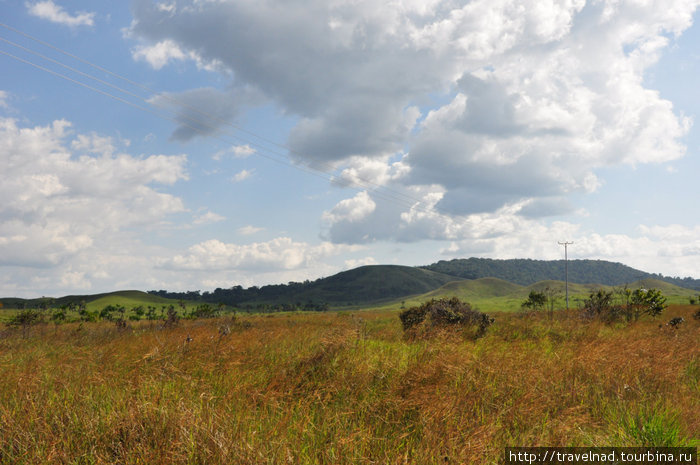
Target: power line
(387, 193)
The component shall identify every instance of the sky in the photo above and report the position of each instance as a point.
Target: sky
(196, 144)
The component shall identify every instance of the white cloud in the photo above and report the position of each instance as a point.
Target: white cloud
(59, 203)
(278, 254)
(167, 51)
(351, 210)
(238, 151)
(56, 14)
(160, 54)
(507, 233)
(249, 230)
(369, 172)
(3, 99)
(208, 218)
(243, 151)
(524, 101)
(242, 175)
(354, 263)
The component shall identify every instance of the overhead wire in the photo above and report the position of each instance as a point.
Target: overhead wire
(196, 124)
(378, 190)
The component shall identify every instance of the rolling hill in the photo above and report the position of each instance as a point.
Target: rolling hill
(129, 298)
(359, 286)
(489, 283)
(493, 294)
(527, 271)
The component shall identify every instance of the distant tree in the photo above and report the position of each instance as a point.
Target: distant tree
(535, 301)
(59, 316)
(203, 311)
(138, 311)
(553, 294)
(106, 312)
(172, 318)
(25, 319)
(600, 305)
(648, 301)
(151, 313)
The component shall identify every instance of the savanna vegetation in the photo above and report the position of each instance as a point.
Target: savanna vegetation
(347, 387)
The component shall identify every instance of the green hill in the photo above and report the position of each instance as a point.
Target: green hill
(473, 289)
(526, 271)
(375, 283)
(127, 299)
(359, 286)
(94, 301)
(493, 294)
(490, 284)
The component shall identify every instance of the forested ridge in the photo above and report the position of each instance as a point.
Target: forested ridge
(380, 282)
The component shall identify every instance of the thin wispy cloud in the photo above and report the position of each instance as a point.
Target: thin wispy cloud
(249, 230)
(50, 11)
(242, 175)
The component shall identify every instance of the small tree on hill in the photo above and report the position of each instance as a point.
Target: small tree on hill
(535, 301)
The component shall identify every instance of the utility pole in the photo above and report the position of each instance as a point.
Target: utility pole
(566, 244)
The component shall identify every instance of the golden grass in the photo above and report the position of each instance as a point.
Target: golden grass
(342, 388)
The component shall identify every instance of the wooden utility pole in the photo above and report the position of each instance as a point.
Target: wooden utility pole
(566, 268)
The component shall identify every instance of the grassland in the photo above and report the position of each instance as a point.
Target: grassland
(342, 388)
(492, 294)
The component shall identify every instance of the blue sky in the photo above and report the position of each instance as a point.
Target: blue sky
(241, 142)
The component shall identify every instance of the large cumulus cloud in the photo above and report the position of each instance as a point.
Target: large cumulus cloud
(74, 198)
(486, 105)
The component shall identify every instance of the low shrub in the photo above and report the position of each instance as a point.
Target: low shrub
(443, 314)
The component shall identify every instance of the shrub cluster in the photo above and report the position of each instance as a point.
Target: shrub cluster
(445, 313)
(601, 305)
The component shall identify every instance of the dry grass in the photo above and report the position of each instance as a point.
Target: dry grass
(340, 389)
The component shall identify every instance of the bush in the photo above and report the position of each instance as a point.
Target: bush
(601, 305)
(535, 301)
(649, 301)
(172, 319)
(444, 313)
(25, 319)
(203, 311)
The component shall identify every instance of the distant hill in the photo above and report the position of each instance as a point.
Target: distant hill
(493, 294)
(493, 283)
(374, 283)
(126, 298)
(366, 284)
(526, 271)
(478, 288)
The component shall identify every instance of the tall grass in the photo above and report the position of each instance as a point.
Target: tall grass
(341, 388)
